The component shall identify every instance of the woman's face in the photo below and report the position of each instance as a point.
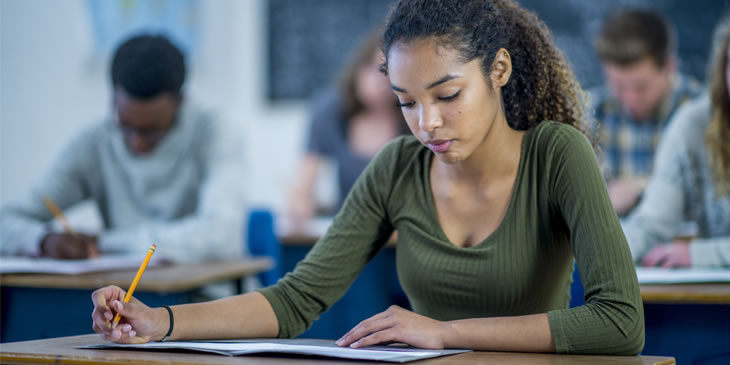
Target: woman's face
(448, 104)
(373, 88)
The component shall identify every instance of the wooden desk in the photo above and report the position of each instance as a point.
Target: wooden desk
(160, 279)
(37, 306)
(62, 351)
(715, 293)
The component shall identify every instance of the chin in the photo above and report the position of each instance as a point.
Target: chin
(449, 157)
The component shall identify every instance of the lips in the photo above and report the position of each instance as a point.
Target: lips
(439, 145)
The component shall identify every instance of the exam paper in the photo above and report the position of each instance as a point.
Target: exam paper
(653, 275)
(326, 348)
(17, 265)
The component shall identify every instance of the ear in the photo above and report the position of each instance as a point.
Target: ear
(501, 69)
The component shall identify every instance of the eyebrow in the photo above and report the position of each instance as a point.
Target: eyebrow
(430, 86)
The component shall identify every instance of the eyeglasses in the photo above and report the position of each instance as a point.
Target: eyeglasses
(150, 134)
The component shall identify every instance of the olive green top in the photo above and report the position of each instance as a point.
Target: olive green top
(559, 210)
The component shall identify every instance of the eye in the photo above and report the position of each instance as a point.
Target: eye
(409, 104)
(450, 97)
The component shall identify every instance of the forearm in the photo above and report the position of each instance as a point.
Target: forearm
(307, 175)
(530, 333)
(243, 316)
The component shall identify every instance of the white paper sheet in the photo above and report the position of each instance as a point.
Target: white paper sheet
(652, 275)
(296, 346)
(17, 265)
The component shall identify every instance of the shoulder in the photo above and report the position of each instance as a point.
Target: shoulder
(203, 125)
(208, 132)
(551, 137)
(688, 87)
(688, 125)
(326, 108)
(557, 149)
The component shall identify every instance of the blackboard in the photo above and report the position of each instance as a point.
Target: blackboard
(308, 40)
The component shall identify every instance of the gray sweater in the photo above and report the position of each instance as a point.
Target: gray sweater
(682, 188)
(186, 196)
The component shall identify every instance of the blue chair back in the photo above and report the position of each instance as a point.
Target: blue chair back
(576, 289)
(262, 241)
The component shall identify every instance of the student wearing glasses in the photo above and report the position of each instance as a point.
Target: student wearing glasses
(159, 169)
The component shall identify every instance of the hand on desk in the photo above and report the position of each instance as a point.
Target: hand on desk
(139, 323)
(675, 254)
(396, 325)
(69, 246)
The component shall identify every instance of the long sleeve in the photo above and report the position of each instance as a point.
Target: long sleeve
(612, 320)
(662, 208)
(710, 252)
(677, 191)
(214, 229)
(67, 182)
(356, 235)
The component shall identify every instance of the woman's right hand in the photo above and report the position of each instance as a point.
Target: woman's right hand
(139, 323)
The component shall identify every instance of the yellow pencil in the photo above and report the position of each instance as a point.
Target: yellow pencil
(58, 213)
(135, 281)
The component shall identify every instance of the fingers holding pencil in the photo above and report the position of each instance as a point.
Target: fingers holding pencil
(139, 322)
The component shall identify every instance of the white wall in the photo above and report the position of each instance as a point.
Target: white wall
(51, 86)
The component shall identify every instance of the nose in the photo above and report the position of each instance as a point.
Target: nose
(429, 118)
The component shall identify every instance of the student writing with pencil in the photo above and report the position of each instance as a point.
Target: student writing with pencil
(159, 169)
(493, 197)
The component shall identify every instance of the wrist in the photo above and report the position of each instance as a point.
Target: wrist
(447, 334)
(162, 326)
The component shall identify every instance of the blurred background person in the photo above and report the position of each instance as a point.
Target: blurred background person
(637, 49)
(350, 123)
(691, 179)
(159, 169)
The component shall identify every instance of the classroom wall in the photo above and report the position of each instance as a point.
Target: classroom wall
(52, 85)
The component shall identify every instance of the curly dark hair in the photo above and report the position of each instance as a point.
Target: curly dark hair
(542, 85)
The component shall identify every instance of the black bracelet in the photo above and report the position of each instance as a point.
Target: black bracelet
(172, 323)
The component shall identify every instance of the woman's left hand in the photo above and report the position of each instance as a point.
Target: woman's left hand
(396, 325)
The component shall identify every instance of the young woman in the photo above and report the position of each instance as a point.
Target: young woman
(493, 196)
(691, 179)
(350, 124)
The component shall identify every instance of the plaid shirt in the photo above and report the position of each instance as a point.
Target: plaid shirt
(628, 145)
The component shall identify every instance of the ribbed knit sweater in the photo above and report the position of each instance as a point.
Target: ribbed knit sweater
(559, 210)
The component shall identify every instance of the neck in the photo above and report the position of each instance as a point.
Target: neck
(498, 156)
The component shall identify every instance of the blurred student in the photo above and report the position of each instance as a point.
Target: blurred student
(350, 124)
(691, 179)
(637, 49)
(159, 169)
